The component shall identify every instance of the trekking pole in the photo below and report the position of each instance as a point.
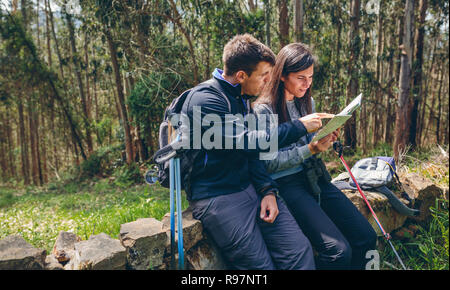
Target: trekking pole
(337, 146)
(175, 188)
(169, 154)
(172, 213)
(179, 215)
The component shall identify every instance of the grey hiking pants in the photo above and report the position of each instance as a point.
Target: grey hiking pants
(246, 241)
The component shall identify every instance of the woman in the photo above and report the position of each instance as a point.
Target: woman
(335, 227)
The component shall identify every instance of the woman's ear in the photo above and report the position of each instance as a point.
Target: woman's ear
(283, 79)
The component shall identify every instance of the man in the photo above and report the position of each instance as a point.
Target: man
(232, 194)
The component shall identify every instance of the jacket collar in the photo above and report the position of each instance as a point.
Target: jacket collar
(231, 90)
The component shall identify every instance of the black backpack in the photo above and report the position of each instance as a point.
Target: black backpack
(169, 131)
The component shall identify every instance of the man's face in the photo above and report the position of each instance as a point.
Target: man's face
(254, 84)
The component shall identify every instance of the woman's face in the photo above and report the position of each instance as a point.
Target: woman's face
(296, 83)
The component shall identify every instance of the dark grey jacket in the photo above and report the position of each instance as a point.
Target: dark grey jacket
(290, 156)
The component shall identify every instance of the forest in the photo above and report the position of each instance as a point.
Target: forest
(84, 85)
(81, 77)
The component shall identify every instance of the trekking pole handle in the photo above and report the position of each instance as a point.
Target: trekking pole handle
(337, 146)
(164, 154)
(167, 152)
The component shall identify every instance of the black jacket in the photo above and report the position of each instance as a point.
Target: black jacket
(225, 171)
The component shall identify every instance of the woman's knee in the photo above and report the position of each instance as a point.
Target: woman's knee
(369, 239)
(343, 252)
(336, 254)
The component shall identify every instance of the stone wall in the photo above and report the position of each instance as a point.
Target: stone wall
(145, 243)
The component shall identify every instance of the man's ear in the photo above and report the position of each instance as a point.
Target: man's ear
(241, 76)
(283, 79)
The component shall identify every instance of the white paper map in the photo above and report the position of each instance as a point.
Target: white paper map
(339, 119)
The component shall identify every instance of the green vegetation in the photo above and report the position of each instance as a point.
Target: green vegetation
(428, 249)
(87, 208)
(86, 201)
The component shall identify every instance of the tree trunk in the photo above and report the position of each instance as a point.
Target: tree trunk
(336, 91)
(43, 148)
(377, 125)
(120, 96)
(77, 65)
(23, 145)
(88, 92)
(34, 144)
(3, 147)
(177, 22)
(428, 80)
(298, 16)
(283, 22)
(267, 21)
(58, 53)
(417, 72)
(403, 118)
(431, 114)
(390, 96)
(47, 34)
(438, 118)
(11, 146)
(53, 141)
(352, 87)
(251, 5)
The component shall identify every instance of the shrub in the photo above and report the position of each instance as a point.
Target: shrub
(127, 175)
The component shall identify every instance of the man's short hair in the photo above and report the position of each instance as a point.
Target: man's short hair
(244, 52)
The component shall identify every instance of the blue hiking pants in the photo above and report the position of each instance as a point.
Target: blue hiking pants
(339, 233)
(246, 241)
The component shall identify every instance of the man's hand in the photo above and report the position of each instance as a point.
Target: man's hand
(269, 208)
(313, 122)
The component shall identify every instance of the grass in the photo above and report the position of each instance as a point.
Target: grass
(428, 249)
(39, 214)
(94, 205)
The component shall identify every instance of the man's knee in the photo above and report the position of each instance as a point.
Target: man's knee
(249, 252)
(305, 257)
(297, 254)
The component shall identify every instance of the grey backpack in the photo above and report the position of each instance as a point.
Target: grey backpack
(378, 174)
(374, 172)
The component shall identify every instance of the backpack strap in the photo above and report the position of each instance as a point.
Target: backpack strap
(374, 163)
(396, 203)
(397, 179)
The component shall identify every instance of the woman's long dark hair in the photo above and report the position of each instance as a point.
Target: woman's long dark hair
(293, 57)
